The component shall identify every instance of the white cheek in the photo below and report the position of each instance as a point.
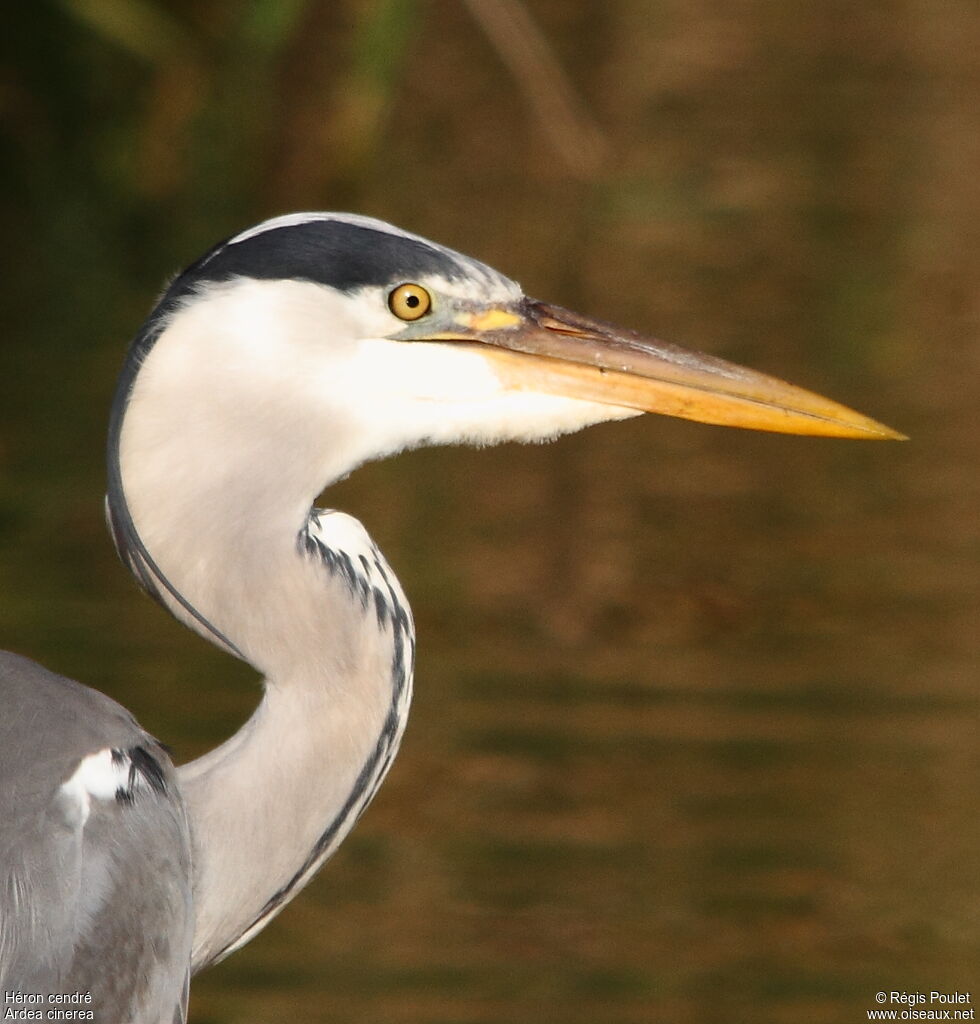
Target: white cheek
(401, 394)
(421, 371)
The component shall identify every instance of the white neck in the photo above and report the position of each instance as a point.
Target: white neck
(222, 505)
(255, 396)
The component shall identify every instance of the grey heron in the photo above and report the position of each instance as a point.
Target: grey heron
(276, 364)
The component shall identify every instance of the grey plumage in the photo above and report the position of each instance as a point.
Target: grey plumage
(80, 893)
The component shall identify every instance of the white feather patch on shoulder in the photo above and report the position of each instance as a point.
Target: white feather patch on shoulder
(102, 775)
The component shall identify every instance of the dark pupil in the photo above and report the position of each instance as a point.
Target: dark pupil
(412, 301)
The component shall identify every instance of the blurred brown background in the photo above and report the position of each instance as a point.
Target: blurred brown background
(695, 734)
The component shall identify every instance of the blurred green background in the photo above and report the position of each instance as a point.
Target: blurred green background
(695, 734)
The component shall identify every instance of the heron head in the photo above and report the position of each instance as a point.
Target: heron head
(339, 325)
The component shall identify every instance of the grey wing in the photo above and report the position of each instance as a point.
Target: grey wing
(95, 869)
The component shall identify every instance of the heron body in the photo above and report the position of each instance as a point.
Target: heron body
(92, 821)
(273, 366)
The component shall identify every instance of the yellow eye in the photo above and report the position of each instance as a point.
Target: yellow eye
(409, 301)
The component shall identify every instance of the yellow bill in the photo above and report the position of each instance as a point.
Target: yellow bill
(546, 348)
